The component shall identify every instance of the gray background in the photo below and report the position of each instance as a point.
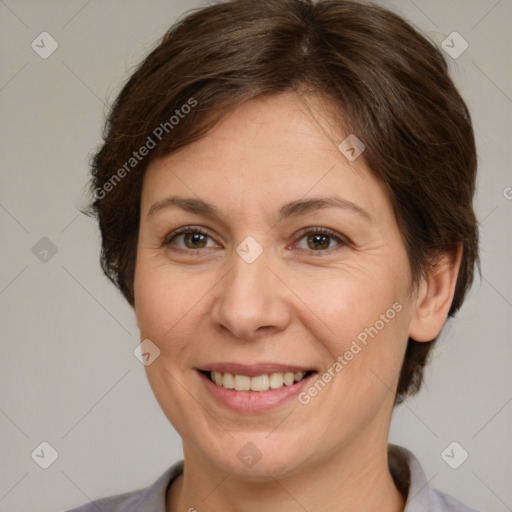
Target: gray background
(67, 372)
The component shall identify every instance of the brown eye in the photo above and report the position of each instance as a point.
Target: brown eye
(194, 240)
(321, 240)
(188, 238)
(318, 241)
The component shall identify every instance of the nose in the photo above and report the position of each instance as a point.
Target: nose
(251, 301)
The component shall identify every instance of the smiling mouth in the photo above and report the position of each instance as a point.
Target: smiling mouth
(258, 383)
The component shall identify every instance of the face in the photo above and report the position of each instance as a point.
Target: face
(266, 256)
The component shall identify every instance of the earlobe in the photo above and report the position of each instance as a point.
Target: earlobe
(434, 296)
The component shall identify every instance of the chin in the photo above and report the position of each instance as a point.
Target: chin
(258, 457)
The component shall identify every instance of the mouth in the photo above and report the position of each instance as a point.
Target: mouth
(258, 383)
(254, 389)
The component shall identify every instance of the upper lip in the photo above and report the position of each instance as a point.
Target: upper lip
(253, 370)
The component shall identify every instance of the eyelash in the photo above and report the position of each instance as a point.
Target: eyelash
(312, 231)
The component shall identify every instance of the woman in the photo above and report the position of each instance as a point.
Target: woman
(284, 195)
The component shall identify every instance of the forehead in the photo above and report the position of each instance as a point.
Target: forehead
(274, 149)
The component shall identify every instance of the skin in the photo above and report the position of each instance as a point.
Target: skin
(294, 304)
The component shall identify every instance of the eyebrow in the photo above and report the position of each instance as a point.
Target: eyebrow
(293, 209)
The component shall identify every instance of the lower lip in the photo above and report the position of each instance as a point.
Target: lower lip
(253, 402)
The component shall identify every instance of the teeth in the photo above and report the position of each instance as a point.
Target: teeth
(289, 378)
(276, 380)
(242, 383)
(217, 378)
(262, 382)
(299, 376)
(228, 382)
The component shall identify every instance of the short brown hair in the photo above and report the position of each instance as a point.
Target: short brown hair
(387, 81)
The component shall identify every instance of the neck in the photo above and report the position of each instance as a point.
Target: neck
(354, 478)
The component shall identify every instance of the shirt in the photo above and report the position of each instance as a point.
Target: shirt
(404, 467)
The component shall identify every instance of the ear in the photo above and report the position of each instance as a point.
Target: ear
(434, 297)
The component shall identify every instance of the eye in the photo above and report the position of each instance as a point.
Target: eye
(188, 238)
(321, 240)
(194, 238)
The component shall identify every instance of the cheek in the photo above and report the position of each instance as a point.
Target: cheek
(165, 304)
(350, 300)
(364, 324)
